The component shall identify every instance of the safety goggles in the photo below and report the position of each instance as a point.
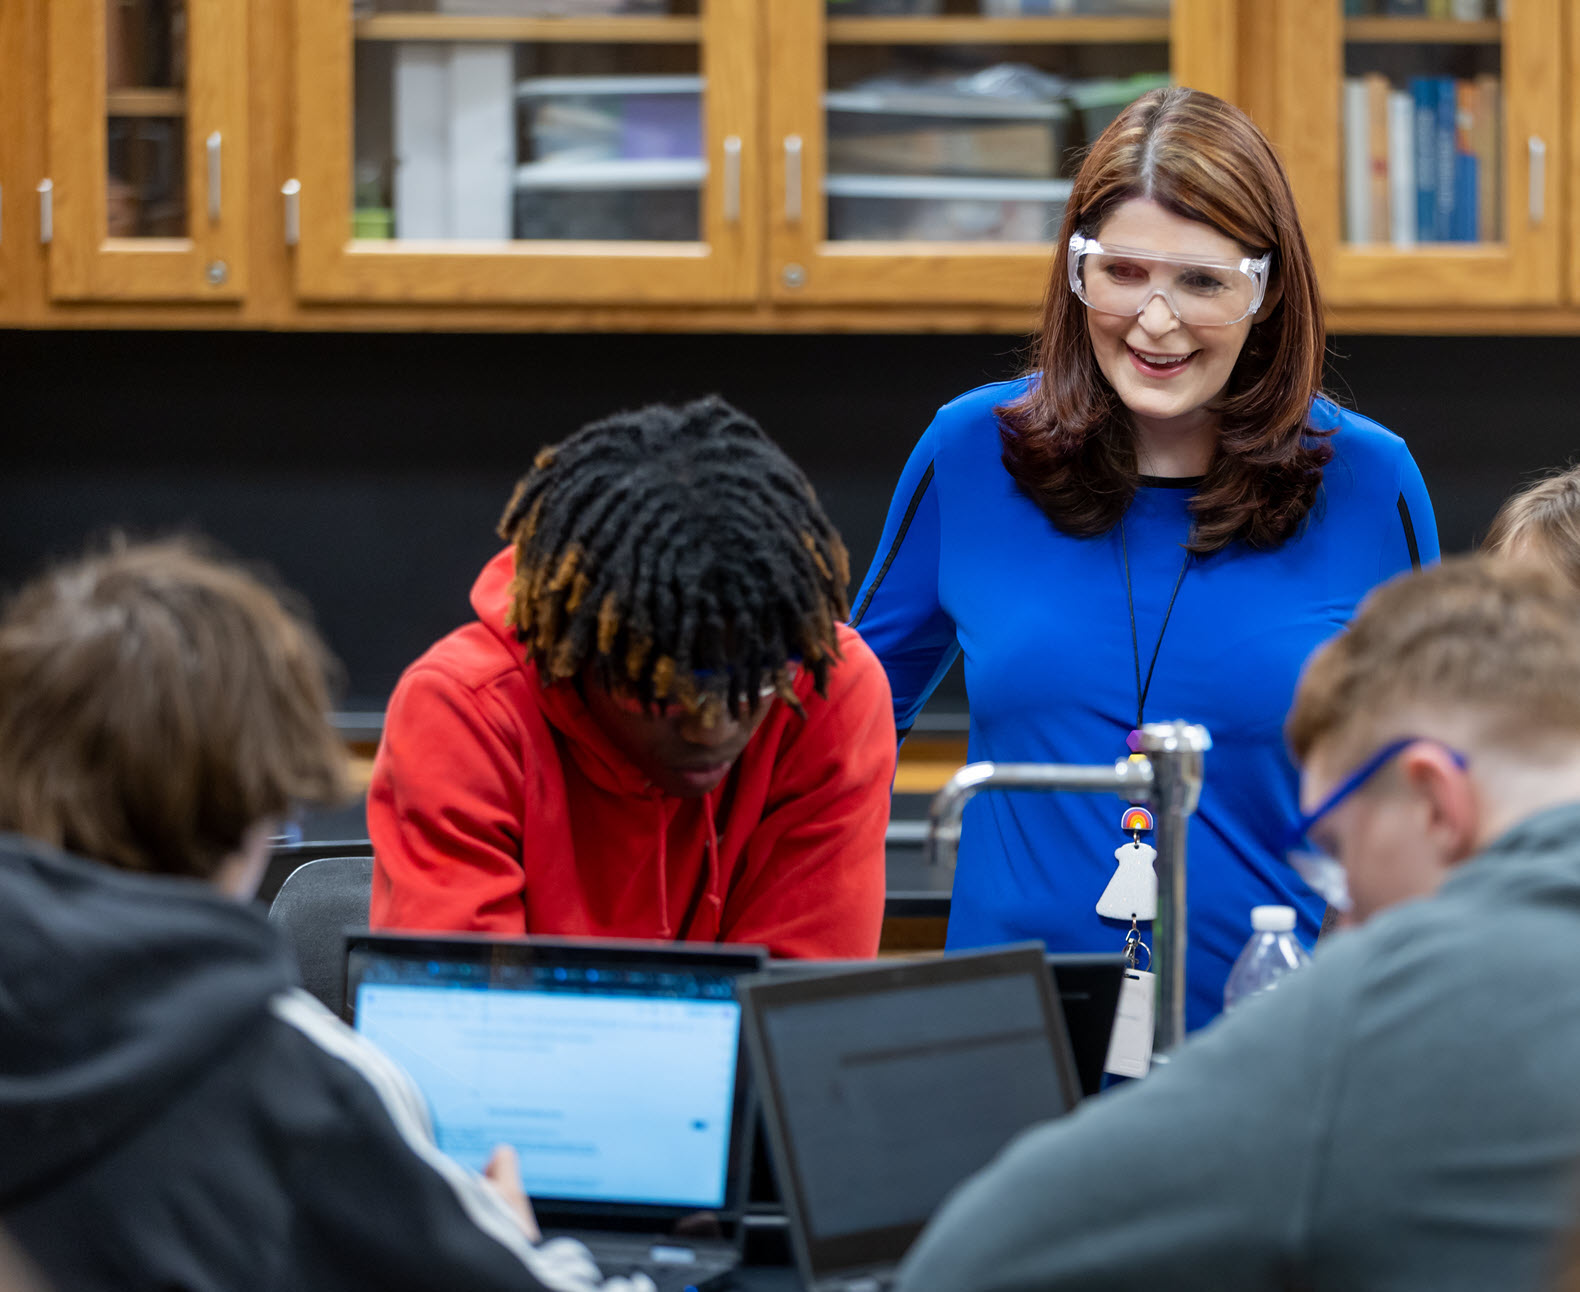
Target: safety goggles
(1201, 293)
(1324, 874)
(712, 692)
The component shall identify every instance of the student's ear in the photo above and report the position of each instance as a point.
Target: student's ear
(1450, 812)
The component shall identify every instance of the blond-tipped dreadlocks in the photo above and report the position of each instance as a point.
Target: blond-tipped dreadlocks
(669, 542)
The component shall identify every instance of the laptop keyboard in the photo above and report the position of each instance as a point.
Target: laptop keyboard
(858, 1283)
(687, 1269)
(669, 1278)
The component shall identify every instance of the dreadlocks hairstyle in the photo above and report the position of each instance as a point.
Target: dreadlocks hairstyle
(669, 542)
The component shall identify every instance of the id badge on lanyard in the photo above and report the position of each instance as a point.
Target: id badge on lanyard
(1130, 1046)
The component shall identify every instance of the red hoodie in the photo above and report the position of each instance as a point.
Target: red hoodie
(498, 805)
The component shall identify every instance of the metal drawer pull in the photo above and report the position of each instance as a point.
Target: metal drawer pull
(291, 191)
(792, 179)
(732, 178)
(1537, 148)
(213, 145)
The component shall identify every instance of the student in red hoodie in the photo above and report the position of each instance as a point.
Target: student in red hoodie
(659, 726)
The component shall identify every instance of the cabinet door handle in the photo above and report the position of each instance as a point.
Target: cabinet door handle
(291, 192)
(1536, 146)
(46, 210)
(213, 146)
(732, 178)
(792, 179)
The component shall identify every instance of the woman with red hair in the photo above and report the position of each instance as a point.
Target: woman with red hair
(1159, 521)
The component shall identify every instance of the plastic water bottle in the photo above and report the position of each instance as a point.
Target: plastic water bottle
(1272, 952)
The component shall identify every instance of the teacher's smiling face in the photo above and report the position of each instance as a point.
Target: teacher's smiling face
(1167, 373)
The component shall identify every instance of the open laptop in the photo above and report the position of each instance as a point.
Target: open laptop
(613, 1068)
(884, 1087)
(1087, 983)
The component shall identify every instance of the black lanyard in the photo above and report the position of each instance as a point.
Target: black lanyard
(1135, 645)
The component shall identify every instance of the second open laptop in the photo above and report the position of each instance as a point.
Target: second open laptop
(613, 1069)
(1087, 983)
(884, 1087)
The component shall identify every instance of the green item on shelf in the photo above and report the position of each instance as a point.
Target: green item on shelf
(373, 222)
(1100, 101)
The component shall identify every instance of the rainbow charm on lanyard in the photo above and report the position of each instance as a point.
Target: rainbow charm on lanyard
(1135, 820)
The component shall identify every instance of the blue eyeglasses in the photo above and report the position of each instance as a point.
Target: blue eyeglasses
(1323, 874)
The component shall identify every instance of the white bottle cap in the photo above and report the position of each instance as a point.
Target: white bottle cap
(1273, 919)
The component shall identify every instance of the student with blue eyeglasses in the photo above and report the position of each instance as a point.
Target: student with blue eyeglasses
(1161, 521)
(1402, 1113)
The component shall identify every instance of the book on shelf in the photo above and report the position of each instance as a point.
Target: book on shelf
(1486, 138)
(454, 139)
(1377, 154)
(1423, 93)
(1400, 163)
(1465, 209)
(421, 83)
(481, 125)
(1444, 139)
(1357, 163)
(1447, 10)
(1421, 162)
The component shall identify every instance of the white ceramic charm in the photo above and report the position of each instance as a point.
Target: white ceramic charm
(1132, 894)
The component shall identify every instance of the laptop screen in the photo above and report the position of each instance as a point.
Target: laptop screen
(886, 1087)
(612, 1072)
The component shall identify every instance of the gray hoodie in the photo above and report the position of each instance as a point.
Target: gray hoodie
(1404, 1114)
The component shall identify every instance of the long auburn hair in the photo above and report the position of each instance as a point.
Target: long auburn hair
(1068, 442)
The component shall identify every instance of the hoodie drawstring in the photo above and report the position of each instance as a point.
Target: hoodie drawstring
(715, 897)
(706, 892)
(663, 872)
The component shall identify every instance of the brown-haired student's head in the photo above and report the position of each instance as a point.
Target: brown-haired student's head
(1542, 524)
(1447, 711)
(159, 709)
(1200, 164)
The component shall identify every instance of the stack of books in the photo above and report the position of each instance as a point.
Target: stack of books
(1463, 10)
(1423, 162)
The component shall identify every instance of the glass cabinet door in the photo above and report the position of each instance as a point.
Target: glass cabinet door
(491, 151)
(926, 148)
(1424, 148)
(146, 194)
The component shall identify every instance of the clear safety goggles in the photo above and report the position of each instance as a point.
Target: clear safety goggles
(1201, 293)
(711, 692)
(1324, 874)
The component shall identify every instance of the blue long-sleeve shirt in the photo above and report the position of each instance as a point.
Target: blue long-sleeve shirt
(968, 563)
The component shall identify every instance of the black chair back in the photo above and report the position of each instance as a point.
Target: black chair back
(315, 906)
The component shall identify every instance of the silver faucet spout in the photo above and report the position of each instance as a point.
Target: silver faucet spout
(1168, 778)
(949, 804)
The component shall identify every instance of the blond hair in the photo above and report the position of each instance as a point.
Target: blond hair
(1498, 640)
(1543, 519)
(155, 705)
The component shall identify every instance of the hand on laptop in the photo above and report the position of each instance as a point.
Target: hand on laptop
(503, 1172)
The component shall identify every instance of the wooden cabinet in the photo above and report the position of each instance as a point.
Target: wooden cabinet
(145, 198)
(890, 183)
(261, 163)
(1346, 144)
(422, 109)
(1568, 151)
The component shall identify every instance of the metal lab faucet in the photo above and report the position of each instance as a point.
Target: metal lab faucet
(1168, 779)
